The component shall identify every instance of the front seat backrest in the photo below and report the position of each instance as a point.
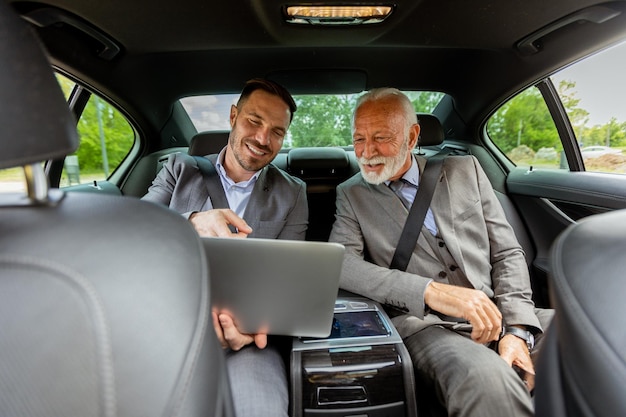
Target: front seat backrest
(104, 300)
(582, 366)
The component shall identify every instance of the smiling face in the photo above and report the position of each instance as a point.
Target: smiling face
(258, 127)
(382, 139)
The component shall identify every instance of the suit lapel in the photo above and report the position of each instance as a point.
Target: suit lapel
(212, 181)
(394, 208)
(445, 220)
(440, 205)
(388, 200)
(258, 200)
(199, 197)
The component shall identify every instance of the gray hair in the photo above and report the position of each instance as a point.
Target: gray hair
(385, 92)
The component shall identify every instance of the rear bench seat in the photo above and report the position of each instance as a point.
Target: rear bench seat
(321, 168)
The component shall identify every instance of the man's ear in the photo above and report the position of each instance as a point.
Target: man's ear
(233, 115)
(414, 134)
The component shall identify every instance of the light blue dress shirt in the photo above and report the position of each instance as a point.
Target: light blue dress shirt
(408, 193)
(237, 193)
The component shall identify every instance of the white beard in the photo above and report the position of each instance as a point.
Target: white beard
(392, 165)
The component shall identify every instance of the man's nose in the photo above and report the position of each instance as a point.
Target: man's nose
(263, 135)
(369, 149)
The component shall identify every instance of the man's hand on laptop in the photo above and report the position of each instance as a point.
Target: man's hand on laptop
(215, 223)
(229, 336)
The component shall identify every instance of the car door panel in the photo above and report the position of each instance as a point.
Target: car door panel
(550, 200)
(582, 188)
(101, 187)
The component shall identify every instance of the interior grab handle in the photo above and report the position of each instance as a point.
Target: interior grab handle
(595, 14)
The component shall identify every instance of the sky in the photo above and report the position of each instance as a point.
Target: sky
(210, 112)
(600, 84)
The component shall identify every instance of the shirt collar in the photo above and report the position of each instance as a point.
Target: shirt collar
(222, 172)
(412, 175)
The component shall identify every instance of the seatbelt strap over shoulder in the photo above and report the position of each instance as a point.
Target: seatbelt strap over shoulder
(212, 182)
(417, 213)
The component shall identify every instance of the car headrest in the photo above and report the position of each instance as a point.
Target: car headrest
(36, 122)
(431, 131)
(208, 143)
(301, 160)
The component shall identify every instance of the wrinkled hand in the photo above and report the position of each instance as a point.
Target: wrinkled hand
(229, 335)
(214, 223)
(515, 352)
(469, 304)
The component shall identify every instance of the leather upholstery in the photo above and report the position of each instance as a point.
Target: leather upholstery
(208, 143)
(27, 87)
(431, 132)
(319, 159)
(104, 300)
(582, 367)
(104, 309)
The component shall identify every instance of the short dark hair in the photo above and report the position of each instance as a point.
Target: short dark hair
(270, 87)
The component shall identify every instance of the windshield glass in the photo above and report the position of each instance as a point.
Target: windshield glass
(321, 119)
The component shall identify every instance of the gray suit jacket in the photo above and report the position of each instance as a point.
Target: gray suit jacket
(471, 221)
(277, 209)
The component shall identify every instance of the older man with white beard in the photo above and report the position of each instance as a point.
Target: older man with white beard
(463, 305)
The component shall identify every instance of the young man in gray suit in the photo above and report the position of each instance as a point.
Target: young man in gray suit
(264, 202)
(466, 277)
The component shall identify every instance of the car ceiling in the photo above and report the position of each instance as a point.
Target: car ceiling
(171, 49)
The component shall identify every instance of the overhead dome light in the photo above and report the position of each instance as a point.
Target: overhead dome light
(337, 15)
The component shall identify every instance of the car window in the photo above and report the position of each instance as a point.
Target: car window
(12, 180)
(321, 119)
(595, 87)
(592, 92)
(106, 138)
(524, 130)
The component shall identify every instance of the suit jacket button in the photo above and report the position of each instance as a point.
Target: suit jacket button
(442, 274)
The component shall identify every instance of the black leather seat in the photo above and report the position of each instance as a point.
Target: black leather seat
(208, 143)
(431, 130)
(104, 300)
(322, 169)
(582, 367)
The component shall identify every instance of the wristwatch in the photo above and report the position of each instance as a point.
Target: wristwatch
(522, 334)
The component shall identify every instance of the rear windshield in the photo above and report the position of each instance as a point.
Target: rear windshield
(321, 120)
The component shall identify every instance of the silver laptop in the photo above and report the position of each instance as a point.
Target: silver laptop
(282, 287)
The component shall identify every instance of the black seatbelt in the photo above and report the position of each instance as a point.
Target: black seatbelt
(417, 213)
(213, 182)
